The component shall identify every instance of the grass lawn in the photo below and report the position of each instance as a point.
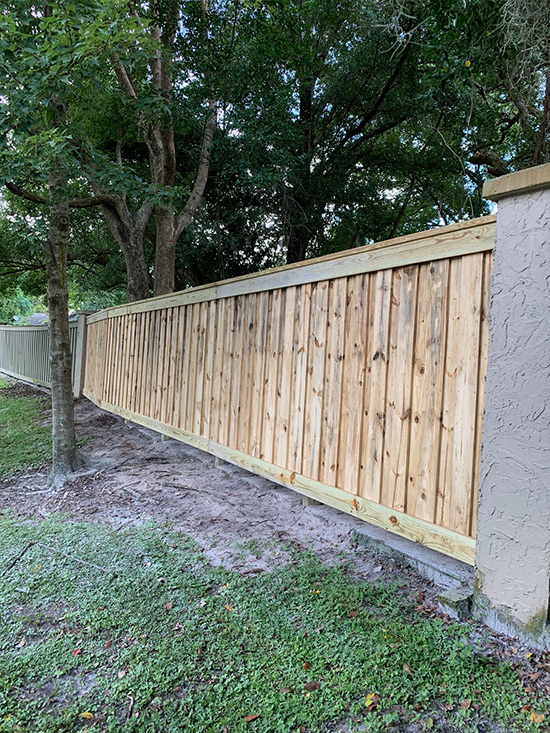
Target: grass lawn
(162, 641)
(145, 635)
(24, 442)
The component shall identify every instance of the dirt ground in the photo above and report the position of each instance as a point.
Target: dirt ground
(243, 522)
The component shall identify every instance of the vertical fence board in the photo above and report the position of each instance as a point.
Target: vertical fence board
(353, 383)
(271, 375)
(226, 380)
(332, 390)
(372, 442)
(210, 353)
(429, 365)
(236, 382)
(201, 366)
(284, 378)
(256, 404)
(369, 383)
(315, 382)
(300, 361)
(247, 368)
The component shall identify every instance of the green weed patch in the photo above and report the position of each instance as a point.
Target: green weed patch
(155, 639)
(24, 441)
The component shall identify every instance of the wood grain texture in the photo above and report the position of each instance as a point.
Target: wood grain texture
(438, 538)
(362, 387)
(477, 235)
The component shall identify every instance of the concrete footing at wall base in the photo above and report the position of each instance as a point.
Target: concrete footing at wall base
(442, 570)
(536, 634)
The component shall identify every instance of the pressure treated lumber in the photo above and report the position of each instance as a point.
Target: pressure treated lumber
(356, 377)
(454, 240)
(417, 530)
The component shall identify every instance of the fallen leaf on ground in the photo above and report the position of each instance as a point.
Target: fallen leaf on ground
(307, 665)
(169, 606)
(371, 700)
(536, 717)
(465, 704)
(86, 716)
(310, 686)
(250, 718)
(107, 644)
(353, 614)
(230, 608)
(407, 668)
(21, 643)
(76, 652)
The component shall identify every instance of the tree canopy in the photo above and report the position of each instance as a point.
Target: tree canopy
(204, 140)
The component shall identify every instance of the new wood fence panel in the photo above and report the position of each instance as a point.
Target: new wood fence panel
(398, 387)
(258, 375)
(299, 377)
(271, 375)
(353, 383)
(361, 387)
(427, 389)
(315, 382)
(333, 373)
(374, 421)
(285, 365)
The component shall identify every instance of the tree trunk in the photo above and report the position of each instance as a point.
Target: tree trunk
(165, 257)
(128, 230)
(65, 457)
(297, 243)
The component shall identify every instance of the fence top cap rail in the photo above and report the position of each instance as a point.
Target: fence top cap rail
(214, 289)
(525, 181)
(44, 327)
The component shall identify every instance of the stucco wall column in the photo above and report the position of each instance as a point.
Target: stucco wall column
(512, 582)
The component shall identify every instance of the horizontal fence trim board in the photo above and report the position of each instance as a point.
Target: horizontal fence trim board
(417, 530)
(434, 244)
(72, 324)
(23, 378)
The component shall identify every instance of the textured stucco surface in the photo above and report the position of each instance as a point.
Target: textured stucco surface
(513, 544)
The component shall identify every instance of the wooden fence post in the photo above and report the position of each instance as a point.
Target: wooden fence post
(80, 355)
(512, 582)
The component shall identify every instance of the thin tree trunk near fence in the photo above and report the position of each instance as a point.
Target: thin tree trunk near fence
(65, 457)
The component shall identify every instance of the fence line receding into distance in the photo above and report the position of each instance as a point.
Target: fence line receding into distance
(24, 353)
(357, 379)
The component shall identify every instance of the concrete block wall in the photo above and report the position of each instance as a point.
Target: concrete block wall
(512, 577)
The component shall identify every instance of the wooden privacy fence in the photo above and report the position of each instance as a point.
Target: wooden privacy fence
(24, 353)
(357, 378)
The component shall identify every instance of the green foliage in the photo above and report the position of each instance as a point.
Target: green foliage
(160, 640)
(18, 305)
(339, 123)
(24, 439)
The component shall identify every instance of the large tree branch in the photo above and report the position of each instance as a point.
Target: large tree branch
(373, 111)
(195, 198)
(24, 193)
(125, 80)
(80, 203)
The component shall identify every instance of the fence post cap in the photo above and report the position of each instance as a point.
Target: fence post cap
(525, 181)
